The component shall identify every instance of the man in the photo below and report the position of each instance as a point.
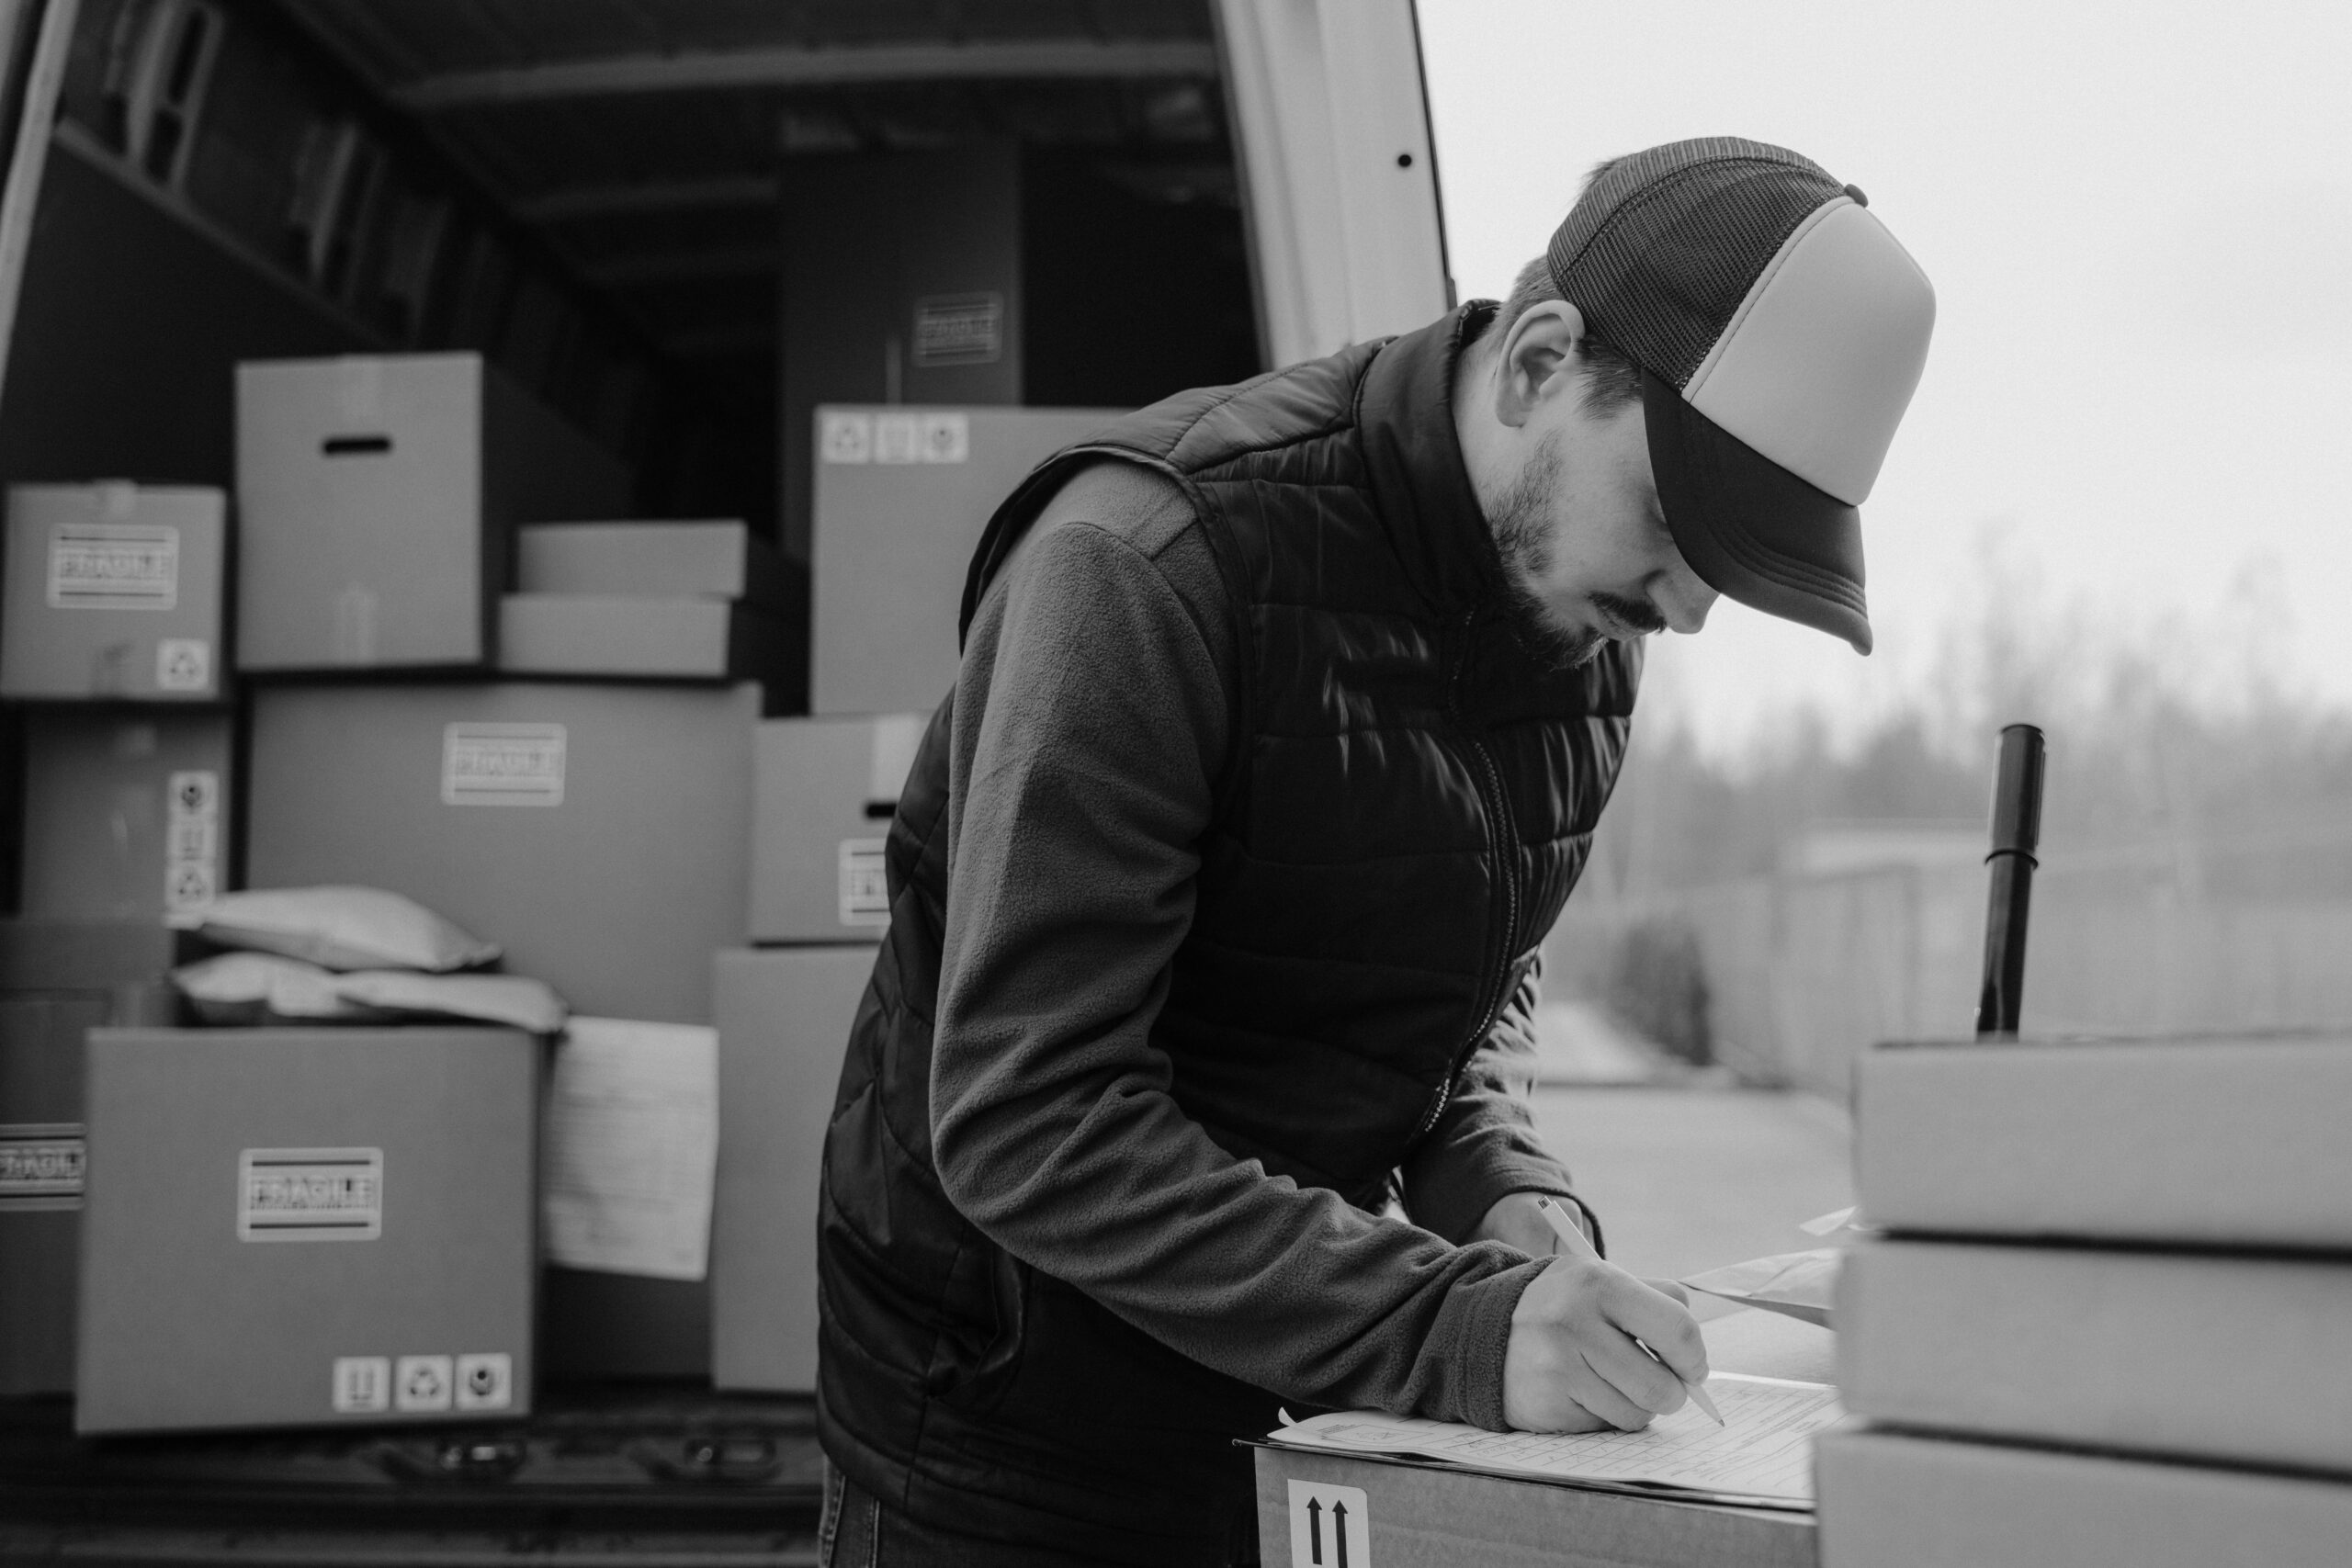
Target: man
(1189, 1081)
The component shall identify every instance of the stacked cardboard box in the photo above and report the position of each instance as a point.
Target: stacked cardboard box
(901, 496)
(2106, 1320)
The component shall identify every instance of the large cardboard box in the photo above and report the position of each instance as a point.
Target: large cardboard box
(127, 811)
(57, 979)
(1411, 1514)
(825, 791)
(305, 1227)
(377, 499)
(784, 1020)
(594, 833)
(114, 591)
(2230, 1141)
(702, 559)
(902, 495)
(2106, 1348)
(1894, 1501)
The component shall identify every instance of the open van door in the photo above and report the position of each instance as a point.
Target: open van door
(34, 38)
(1338, 170)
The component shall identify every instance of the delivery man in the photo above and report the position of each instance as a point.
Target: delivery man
(1189, 1081)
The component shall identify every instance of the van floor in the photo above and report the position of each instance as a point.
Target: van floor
(638, 1474)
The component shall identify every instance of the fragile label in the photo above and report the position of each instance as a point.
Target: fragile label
(309, 1194)
(1330, 1526)
(41, 1165)
(865, 883)
(114, 566)
(959, 329)
(502, 765)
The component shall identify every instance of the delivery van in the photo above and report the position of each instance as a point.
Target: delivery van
(524, 458)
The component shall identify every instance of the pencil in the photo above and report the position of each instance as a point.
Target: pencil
(1572, 1236)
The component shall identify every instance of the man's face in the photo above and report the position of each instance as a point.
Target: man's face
(1583, 540)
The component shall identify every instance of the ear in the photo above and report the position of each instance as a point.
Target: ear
(1536, 357)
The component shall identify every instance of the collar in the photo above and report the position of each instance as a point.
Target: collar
(1419, 483)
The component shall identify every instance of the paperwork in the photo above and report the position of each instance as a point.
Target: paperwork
(1803, 1285)
(1761, 1457)
(632, 1147)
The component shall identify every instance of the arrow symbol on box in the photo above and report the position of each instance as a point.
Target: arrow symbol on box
(1339, 1531)
(1315, 1530)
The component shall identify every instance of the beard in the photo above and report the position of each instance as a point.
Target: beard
(1520, 518)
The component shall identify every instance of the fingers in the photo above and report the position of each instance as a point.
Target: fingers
(1658, 1321)
(1599, 1390)
(1633, 1376)
(1669, 1288)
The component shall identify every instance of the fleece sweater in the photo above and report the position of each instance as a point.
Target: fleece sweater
(1091, 719)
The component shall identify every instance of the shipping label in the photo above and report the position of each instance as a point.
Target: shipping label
(309, 1194)
(114, 566)
(864, 883)
(41, 1165)
(959, 329)
(502, 764)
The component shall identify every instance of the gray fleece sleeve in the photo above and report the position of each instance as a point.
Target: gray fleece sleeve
(1090, 721)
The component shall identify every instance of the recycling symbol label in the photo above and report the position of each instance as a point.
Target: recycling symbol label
(183, 664)
(423, 1383)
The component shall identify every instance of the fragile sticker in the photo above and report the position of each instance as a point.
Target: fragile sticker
(309, 1194)
(502, 764)
(864, 883)
(41, 1165)
(959, 329)
(114, 566)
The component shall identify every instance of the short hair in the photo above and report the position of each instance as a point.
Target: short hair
(1611, 378)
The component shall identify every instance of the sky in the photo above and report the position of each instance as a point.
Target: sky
(2138, 220)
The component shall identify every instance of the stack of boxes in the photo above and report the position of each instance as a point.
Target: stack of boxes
(900, 498)
(2105, 1318)
(559, 735)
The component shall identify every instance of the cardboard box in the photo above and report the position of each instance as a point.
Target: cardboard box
(377, 499)
(676, 638)
(127, 811)
(784, 1021)
(824, 795)
(1892, 1501)
(595, 832)
(2107, 1348)
(57, 980)
(2233, 1141)
(307, 1227)
(902, 495)
(1412, 1514)
(715, 559)
(114, 591)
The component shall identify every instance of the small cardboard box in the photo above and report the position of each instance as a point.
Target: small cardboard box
(712, 559)
(57, 979)
(784, 1020)
(127, 813)
(114, 591)
(635, 636)
(1412, 1514)
(902, 495)
(377, 499)
(825, 791)
(594, 833)
(307, 1227)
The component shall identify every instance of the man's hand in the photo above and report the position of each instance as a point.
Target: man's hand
(1572, 1365)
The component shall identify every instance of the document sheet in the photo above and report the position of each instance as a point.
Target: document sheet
(1762, 1456)
(631, 1149)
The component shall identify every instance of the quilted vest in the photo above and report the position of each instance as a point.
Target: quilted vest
(1409, 796)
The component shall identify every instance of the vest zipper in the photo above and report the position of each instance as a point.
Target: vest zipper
(1507, 854)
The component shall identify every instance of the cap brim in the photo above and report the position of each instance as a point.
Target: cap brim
(1752, 530)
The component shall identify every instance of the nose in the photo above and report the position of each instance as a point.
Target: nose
(1683, 597)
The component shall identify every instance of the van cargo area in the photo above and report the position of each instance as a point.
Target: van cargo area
(499, 476)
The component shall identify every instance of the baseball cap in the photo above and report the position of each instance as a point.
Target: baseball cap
(1779, 330)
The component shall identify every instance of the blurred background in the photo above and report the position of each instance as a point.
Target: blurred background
(2117, 510)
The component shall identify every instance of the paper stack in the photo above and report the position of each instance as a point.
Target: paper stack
(2103, 1321)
